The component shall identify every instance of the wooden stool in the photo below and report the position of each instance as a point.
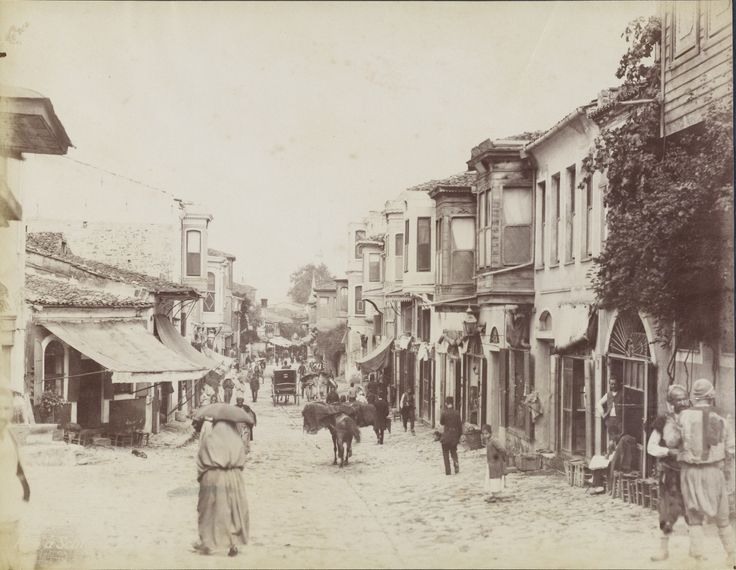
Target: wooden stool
(579, 474)
(628, 487)
(141, 438)
(123, 439)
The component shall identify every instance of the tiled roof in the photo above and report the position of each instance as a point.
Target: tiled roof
(50, 244)
(461, 179)
(53, 293)
(218, 253)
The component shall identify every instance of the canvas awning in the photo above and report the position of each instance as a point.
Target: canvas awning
(377, 358)
(280, 341)
(224, 361)
(173, 340)
(127, 349)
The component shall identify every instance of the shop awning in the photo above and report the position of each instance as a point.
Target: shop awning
(127, 349)
(173, 340)
(280, 341)
(224, 361)
(377, 358)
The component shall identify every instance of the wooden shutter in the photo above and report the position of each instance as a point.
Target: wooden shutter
(554, 409)
(589, 369)
(528, 387)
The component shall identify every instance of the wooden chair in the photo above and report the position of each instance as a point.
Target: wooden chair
(140, 438)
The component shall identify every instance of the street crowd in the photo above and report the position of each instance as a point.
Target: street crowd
(693, 443)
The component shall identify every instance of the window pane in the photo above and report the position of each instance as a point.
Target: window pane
(462, 266)
(424, 231)
(482, 209)
(488, 208)
(374, 267)
(406, 245)
(488, 247)
(359, 306)
(517, 244)
(194, 242)
(462, 233)
(481, 249)
(210, 281)
(517, 206)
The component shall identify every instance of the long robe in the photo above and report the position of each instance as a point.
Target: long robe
(222, 506)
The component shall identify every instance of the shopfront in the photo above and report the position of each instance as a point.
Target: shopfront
(629, 359)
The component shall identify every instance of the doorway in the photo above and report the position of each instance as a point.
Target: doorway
(629, 360)
(571, 398)
(89, 403)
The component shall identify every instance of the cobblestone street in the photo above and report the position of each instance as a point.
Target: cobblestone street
(392, 506)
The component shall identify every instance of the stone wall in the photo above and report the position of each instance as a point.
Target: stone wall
(151, 248)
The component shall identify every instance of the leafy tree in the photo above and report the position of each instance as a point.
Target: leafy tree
(329, 345)
(301, 280)
(666, 202)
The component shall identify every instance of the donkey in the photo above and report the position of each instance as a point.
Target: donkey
(344, 431)
(336, 420)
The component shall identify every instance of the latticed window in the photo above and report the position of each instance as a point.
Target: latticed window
(209, 298)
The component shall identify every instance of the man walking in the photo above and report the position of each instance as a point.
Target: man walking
(381, 417)
(255, 384)
(407, 406)
(227, 387)
(662, 444)
(453, 425)
(707, 446)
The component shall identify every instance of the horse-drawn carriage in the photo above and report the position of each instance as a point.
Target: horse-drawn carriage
(283, 386)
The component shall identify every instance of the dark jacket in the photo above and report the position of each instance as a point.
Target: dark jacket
(450, 418)
(381, 413)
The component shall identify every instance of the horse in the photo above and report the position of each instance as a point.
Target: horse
(338, 421)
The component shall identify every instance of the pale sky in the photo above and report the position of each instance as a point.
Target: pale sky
(290, 119)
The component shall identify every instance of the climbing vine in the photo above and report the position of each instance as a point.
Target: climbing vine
(667, 202)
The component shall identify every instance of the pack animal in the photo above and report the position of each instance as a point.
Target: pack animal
(342, 427)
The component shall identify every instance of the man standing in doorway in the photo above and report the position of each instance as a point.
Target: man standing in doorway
(407, 407)
(613, 400)
(453, 428)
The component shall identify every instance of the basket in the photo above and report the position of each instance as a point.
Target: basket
(472, 440)
(529, 462)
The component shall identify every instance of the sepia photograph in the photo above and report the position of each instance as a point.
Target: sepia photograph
(392, 284)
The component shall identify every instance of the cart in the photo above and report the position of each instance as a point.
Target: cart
(283, 386)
